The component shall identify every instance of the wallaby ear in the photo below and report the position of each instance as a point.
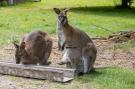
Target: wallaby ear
(66, 10)
(57, 11)
(16, 45)
(22, 45)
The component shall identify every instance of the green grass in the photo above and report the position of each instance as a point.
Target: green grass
(104, 78)
(111, 78)
(96, 17)
(125, 47)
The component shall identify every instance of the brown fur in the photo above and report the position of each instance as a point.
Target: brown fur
(78, 46)
(34, 48)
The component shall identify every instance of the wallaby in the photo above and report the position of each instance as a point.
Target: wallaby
(79, 48)
(34, 48)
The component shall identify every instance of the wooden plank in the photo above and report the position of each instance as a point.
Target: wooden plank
(38, 72)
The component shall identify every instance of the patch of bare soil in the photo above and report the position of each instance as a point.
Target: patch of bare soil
(107, 55)
(122, 36)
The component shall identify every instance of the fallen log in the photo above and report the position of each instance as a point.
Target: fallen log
(38, 72)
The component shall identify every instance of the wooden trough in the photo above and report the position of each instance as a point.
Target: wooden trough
(38, 72)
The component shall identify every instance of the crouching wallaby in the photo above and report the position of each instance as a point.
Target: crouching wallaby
(34, 48)
(79, 50)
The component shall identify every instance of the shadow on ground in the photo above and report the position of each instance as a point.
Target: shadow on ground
(105, 11)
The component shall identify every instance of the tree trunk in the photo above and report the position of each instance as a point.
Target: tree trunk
(125, 3)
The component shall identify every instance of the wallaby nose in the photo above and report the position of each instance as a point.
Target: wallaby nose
(62, 20)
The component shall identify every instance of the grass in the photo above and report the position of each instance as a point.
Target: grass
(125, 47)
(112, 78)
(105, 78)
(95, 17)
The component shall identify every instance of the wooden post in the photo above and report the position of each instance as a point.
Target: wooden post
(38, 72)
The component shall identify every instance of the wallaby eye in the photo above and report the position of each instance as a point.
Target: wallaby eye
(61, 17)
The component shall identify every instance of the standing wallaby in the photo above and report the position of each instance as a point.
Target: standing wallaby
(79, 50)
(34, 48)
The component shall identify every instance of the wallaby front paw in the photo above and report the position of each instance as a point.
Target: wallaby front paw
(45, 64)
(48, 63)
(61, 63)
(61, 49)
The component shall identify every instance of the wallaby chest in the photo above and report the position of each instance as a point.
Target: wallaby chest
(61, 37)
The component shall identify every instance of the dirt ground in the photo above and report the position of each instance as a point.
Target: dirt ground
(107, 55)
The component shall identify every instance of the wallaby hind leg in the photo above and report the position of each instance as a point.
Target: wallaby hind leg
(48, 49)
(86, 64)
(65, 59)
(80, 68)
(92, 62)
(89, 57)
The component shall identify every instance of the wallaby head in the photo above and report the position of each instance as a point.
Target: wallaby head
(20, 52)
(62, 15)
